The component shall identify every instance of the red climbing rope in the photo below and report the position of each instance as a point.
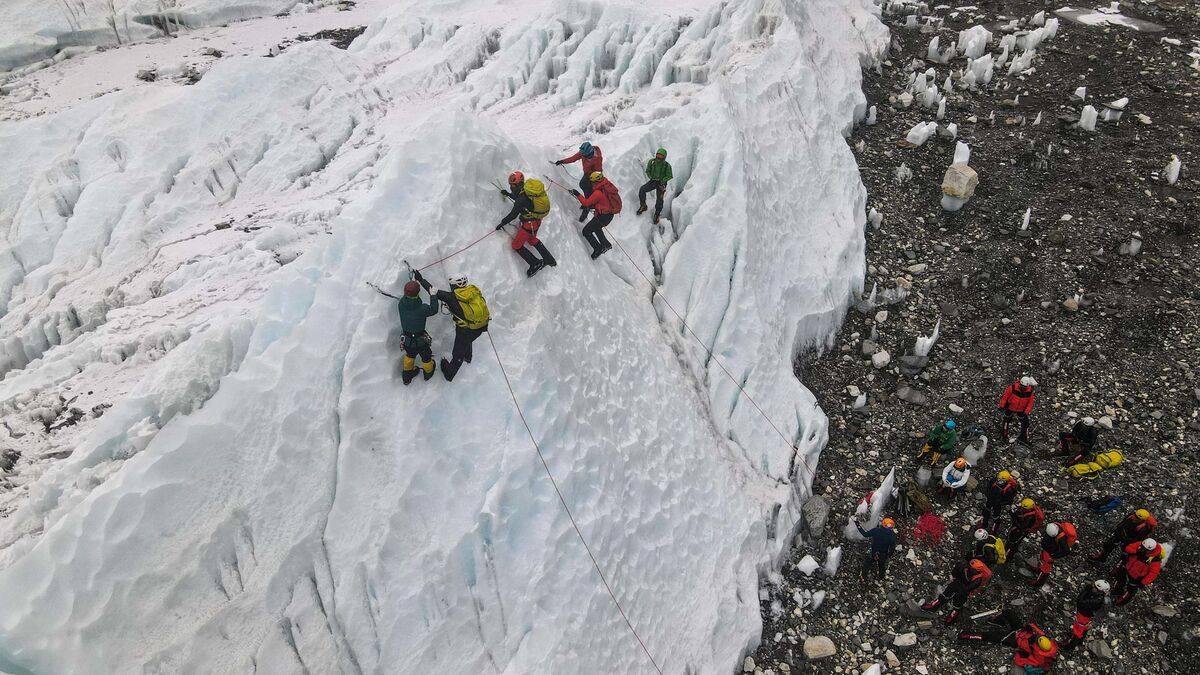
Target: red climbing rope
(711, 355)
(562, 500)
(468, 246)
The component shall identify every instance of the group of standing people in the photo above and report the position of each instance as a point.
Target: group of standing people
(597, 197)
(1005, 522)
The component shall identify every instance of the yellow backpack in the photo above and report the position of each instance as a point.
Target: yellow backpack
(474, 307)
(1001, 553)
(1108, 460)
(541, 201)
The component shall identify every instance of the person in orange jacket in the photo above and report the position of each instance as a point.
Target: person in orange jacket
(1036, 651)
(1136, 527)
(1057, 543)
(593, 161)
(1140, 566)
(1017, 400)
(967, 579)
(606, 200)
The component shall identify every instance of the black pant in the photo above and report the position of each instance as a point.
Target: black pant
(594, 231)
(957, 593)
(1022, 418)
(873, 559)
(1013, 540)
(1110, 544)
(585, 187)
(1002, 630)
(658, 188)
(463, 337)
(417, 344)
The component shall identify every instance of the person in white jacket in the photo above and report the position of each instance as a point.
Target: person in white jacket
(955, 476)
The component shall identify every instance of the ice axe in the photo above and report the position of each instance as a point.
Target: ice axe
(381, 291)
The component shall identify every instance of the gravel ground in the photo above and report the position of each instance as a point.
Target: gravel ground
(1104, 333)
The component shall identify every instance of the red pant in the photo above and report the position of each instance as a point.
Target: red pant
(1047, 563)
(1081, 625)
(526, 234)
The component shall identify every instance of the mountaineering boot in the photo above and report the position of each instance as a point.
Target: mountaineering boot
(530, 259)
(428, 367)
(641, 209)
(952, 616)
(1039, 580)
(409, 375)
(408, 369)
(1097, 556)
(656, 219)
(932, 605)
(545, 253)
(1070, 644)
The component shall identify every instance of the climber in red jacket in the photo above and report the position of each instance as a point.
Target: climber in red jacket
(1139, 567)
(593, 161)
(1036, 651)
(1017, 400)
(606, 200)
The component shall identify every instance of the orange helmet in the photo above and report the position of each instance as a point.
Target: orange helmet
(960, 463)
(979, 566)
(888, 522)
(515, 178)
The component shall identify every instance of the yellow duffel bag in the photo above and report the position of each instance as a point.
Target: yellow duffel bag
(1108, 460)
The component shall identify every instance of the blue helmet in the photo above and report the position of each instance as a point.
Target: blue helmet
(586, 149)
(951, 424)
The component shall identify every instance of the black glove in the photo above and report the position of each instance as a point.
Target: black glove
(417, 276)
(558, 163)
(575, 193)
(501, 225)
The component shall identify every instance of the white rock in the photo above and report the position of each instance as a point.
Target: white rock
(807, 565)
(905, 640)
(881, 316)
(1087, 118)
(833, 560)
(960, 181)
(748, 665)
(1172, 170)
(818, 647)
(881, 359)
(956, 409)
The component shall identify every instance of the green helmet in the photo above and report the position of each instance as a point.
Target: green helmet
(661, 151)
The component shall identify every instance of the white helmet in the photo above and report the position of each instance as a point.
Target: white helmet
(1149, 544)
(1052, 529)
(1089, 421)
(458, 280)
(1101, 585)
(981, 534)
(1028, 381)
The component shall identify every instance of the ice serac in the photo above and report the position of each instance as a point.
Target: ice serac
(303, 511)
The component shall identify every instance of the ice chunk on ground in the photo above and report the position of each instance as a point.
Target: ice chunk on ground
(833, 560)
(807, 565)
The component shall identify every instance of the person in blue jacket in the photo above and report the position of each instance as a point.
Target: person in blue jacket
(882, 545)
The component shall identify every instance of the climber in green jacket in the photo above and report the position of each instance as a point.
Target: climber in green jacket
(415, 340)
(941, 439)
(658, 171)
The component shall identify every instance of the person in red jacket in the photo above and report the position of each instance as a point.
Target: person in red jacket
(606, 200)
(1036, 651)
(593, 161)
(1017, 400)
(1026, 520)
(1139, 567)
(1136, 527)
(1056, 544)
(966, 580)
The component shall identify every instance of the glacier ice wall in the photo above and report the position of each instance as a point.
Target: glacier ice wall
(264, 495)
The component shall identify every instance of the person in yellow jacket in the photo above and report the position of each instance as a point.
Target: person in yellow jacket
(470, 313)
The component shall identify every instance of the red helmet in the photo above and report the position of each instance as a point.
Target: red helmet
(515, 178)
(412, 288)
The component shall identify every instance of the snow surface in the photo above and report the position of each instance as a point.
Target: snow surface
(264, 494)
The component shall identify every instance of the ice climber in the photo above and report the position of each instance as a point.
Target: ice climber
(530, 205)
(1140, 565)
(1135, 527)
(941, 439)
(1026, 520)
(606, 200)
(967, 578)
(593, 162)
(415, 341)
(955, 476)
(1036, 651)
(1057, 543)
(1080, 441)
(1000, 495)
(1017, 401)
(471, 316)
(1089, 601)
(882, 545)
(658, 174)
